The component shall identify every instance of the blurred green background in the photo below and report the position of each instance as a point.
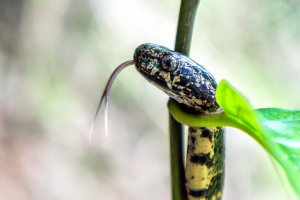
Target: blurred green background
(56, 56)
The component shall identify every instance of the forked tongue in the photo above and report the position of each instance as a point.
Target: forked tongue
(105, 97)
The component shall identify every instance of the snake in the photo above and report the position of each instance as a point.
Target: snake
(193, 87)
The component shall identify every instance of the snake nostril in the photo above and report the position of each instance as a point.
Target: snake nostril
(144, 58)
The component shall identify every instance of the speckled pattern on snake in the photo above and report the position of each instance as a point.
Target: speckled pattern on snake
(190, 84)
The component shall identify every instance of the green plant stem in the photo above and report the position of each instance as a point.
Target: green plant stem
(188, 10)
(177, 159)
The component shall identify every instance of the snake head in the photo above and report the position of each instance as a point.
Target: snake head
(177, 75)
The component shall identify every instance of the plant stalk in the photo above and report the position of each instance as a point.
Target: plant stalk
(188, 10)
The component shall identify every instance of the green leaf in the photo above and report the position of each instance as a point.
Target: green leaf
(238, 109)
(282, 136)
(277, 130)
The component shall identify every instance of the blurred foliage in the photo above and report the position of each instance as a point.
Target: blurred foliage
(55, 57)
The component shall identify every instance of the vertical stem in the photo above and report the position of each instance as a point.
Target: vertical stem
(188, 10)
(177, 159)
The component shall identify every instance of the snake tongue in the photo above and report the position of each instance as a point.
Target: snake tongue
(105, 94)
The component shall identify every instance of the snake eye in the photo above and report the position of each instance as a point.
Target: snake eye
(169, 63)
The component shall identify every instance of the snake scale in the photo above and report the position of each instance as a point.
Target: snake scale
(191, 85)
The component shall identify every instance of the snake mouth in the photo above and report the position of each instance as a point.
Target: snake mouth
(151, 77)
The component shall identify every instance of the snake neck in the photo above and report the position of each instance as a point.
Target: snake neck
(205, 163)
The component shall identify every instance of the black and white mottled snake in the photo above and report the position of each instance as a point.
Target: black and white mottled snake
(191, 85)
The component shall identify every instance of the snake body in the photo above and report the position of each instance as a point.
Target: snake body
(192, 85)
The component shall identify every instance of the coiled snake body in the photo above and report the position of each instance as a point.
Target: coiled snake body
(190, 84)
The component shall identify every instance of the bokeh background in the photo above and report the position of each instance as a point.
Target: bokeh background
(56, 56)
